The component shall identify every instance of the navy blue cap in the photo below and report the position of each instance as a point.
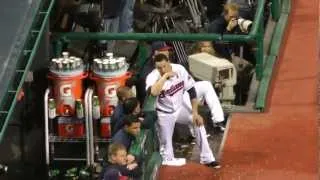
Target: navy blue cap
(160, 45)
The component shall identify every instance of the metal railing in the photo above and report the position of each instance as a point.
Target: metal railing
(256, 35)
(30, 49)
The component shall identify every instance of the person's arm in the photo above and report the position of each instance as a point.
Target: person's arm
(154, 84)
(117, 125)
(157, 87)
(194, 100)
(197, 119)
(117, 119)
(189, 87)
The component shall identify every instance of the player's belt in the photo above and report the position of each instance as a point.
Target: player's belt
(167, 112)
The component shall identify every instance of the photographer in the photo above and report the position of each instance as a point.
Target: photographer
(229, 23)
(246, 8)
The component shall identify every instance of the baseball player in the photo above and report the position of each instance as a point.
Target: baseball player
(206, 93)
(169, 82)
(204, 89)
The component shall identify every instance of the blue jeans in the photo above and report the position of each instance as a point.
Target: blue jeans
(126, 17)
(110, 25)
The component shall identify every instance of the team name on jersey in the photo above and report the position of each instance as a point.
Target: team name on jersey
(172, 90)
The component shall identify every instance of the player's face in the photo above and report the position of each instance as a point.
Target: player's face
(134, 128)
(163, 67)
(120, 157)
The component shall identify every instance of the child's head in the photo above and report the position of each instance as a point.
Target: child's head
(124, 93)
(131, 106)
(117, 154)
(132, 124)
(204, 46)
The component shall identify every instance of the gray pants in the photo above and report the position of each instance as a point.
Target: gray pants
(110, 25)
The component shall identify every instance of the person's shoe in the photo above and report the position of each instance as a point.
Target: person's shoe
(220, 126)
(174, 162)
(213, 164)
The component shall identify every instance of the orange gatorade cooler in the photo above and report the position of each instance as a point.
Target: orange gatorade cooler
(107, 83)
(109, 74)
(107, 91)
(67, 75)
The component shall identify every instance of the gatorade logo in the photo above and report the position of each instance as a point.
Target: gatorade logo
(69, 128)
(111, 90)
(65, 90)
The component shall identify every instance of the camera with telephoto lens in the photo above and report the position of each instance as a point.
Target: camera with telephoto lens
(244, 25)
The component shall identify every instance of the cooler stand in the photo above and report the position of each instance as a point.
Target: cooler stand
(95, 140)
(51, 139)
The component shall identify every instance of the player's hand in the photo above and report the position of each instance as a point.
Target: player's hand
(232, 24)
(197, 119)
(169, 75)
(130, 159)
(132, 166)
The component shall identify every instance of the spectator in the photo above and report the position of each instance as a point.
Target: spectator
(246, 8)
(204, 46)
(123, 93)
(112, 9)
(214, 8)
(225, 24)
(228, 24)
(126, 18)
(117, 166)
(130, 106)
(128, 133)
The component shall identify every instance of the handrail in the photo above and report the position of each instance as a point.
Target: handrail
(6, 113)
(258, 19)
(255, 35)
(271, 58)
(168, 36)
(138, 36)
(276, 9)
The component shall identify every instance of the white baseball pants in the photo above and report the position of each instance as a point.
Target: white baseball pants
(205, 92)
(166, 123)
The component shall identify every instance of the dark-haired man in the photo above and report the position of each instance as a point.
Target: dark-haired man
(168, 82)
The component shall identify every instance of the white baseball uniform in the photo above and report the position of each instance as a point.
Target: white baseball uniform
(171, 109)
(206, 92)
